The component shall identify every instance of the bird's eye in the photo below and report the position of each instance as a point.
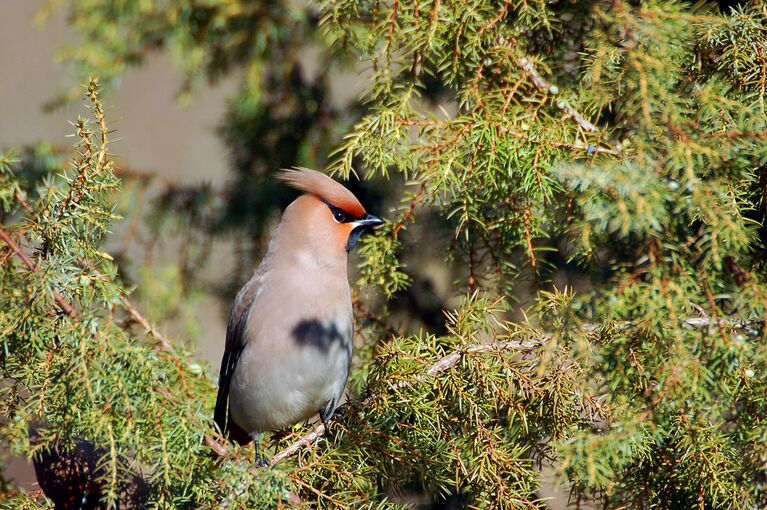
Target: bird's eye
(339, 216)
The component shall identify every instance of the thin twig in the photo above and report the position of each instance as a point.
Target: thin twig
(303, 441)
(137, 317)
(693, 322)
(21, 199)
(587, 148)
(61, 301)
(505, 130)
(363, 312)
(410, 210)
(502, 14)
(547, 88)
(530, 248)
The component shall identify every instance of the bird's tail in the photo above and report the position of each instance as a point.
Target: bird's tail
(222, 399)
(221, 415)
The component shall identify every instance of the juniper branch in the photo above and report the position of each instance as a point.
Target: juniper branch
(126, 303)
(60, 300)
(444, 363)
(548, 88)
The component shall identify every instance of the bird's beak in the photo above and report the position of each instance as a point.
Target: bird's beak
(360, 227)
(368, 221)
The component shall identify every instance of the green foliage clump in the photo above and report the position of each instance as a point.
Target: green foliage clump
(75, 368)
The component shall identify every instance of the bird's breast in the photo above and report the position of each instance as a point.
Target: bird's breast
(299, 342)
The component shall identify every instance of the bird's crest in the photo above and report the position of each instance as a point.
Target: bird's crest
(323, 187)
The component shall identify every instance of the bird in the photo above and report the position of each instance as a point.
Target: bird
(289, 337)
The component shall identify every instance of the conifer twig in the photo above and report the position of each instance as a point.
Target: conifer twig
(138, 318)
(67, 307)
(126, 303)
(61, 301)
(547, 87)
(129, 307)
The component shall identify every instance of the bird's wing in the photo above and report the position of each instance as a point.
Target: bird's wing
(235, 342)
(327, 412)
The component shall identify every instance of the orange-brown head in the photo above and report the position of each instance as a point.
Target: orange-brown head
(329, 215)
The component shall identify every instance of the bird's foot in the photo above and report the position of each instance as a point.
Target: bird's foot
(326, 422)
(259, 459)
(340, 415)
(337, 416)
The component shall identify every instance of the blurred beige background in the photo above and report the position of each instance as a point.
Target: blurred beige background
(154, 132)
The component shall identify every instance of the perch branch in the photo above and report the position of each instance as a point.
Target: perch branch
(450, 360)
(444, 363)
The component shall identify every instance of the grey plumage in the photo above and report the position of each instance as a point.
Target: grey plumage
(289, 337)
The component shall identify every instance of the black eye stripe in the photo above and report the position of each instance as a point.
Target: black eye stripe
(340, 215)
